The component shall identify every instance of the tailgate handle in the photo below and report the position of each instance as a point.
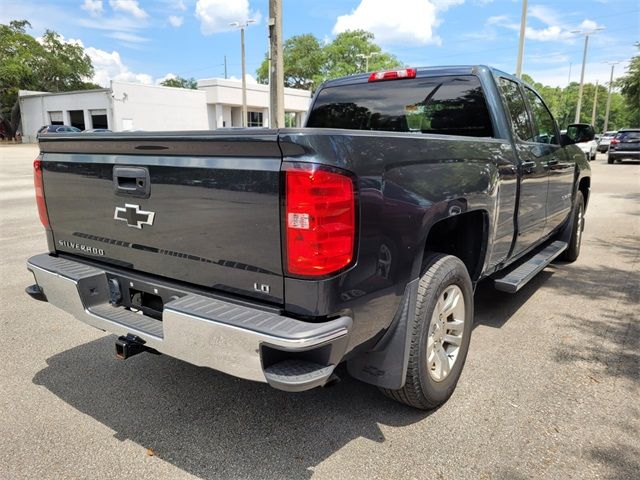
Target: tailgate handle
(132, 181)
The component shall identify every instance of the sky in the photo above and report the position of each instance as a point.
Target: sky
(149, 40)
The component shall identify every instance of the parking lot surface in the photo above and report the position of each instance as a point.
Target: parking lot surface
(551, 388)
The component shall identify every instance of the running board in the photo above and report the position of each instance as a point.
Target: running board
(518, 277)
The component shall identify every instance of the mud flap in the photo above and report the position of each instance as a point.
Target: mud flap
(386, 365)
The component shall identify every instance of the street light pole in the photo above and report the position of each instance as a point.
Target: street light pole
(242, 26)
(366, 59)
(523, 27)
(606, 115)
(595, 103)
(584, 63)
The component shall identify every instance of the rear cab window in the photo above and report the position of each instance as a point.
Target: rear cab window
(448, 105)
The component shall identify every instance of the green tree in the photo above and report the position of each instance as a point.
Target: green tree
(630, 89)
(303, 60)
(307, 63)
(180, 82)
(563, 103)
(25, 64)
(342, 55)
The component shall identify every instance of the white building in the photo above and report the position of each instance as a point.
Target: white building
(224, 103)
(132, 106)
(124, 106)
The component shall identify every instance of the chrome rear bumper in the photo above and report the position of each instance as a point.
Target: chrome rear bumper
(242, 341)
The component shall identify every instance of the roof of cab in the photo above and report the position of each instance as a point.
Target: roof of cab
(421, 72)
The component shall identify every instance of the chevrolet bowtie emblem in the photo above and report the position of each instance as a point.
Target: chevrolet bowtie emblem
(133, 216)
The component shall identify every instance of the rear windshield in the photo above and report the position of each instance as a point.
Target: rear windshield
(629, 136)
(444, 105)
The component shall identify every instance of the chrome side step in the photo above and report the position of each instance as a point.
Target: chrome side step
(518, 277)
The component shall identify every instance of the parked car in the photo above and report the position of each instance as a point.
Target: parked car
(589, 147)
(603, 144)
(57, 129)
(97, 130)
(275, 255)
(625, 146)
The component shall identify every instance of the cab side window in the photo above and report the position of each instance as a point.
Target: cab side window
(517, 109)
(544, 125)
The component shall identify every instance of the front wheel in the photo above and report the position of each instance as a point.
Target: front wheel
(440, 335)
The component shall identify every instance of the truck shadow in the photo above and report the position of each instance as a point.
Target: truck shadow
(212, 425)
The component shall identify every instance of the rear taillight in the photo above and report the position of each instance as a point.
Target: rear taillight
(614, 141)
(37, 182)
(393, 74)
(320, 220)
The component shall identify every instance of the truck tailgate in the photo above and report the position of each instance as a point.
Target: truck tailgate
(211, 215)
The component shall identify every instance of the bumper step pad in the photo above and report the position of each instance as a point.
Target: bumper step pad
(296, 375)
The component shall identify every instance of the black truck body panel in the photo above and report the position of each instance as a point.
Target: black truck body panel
(217, 197)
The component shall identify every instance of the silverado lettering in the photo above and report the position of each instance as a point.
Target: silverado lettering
(81, 247)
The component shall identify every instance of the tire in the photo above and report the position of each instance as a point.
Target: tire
(609, 160)
(443, 274)
(573, 250)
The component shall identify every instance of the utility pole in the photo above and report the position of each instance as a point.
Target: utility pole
(523, 27)
(366, 59)
(225, 67)
(242, 26)
(584, 62)
(606, 115)
(276, 65)
(593, 110)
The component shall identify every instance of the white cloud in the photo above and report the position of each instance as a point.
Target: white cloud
(552, 29)
(216, 15)
(94, 7)
(128, 37)
(248, 78)
(397, 22)
(129, 6)
(168, 76)
(180, 5)
(108, 66)
(175, 20)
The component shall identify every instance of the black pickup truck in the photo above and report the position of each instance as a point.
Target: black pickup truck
(275, 255)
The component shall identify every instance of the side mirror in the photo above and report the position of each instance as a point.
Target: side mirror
(578, 133)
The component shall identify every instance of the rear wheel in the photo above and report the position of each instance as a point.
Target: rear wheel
(441, 331)
(609, 160)
(573, 250)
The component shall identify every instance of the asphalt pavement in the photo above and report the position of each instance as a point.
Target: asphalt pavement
(551, 388)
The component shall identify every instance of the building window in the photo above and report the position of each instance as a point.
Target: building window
(290, 120)
(99, 118)
(254, 119)
(55, 118)
(76, 118)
